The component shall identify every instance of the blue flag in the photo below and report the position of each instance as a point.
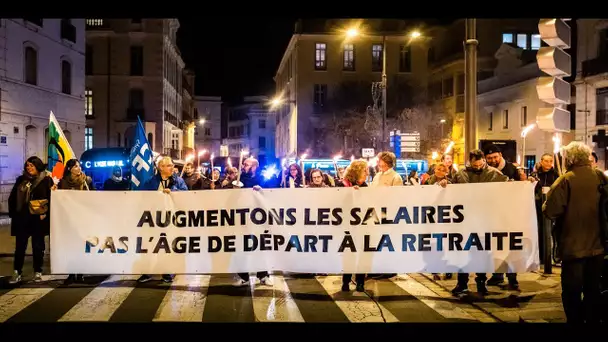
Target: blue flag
(142, 167)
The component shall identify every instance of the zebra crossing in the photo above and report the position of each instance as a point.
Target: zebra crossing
(213, 298)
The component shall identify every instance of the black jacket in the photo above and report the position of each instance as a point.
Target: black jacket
(23, 222)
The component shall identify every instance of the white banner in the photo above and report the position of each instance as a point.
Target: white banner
(462, 228)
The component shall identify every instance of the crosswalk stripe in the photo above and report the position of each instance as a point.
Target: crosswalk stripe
(275, 303)
(18, 299)
(431, 299)
(357, 306)
(100, 304)
(185, 301)
(14, 301)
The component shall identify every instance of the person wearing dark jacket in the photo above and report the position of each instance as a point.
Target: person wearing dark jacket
(117, 182)
(573, 202)
(74, 179)
(476, 172)
(193, 180)
(495, 159)
(29, 209)
(252, 180)
(545, 175)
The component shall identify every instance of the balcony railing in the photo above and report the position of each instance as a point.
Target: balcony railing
(96, 24)
(595, 66)
(601, 117)
(132, 114)
(68, 31)
(173, 153)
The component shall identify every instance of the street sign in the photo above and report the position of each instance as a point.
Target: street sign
(410, 149)
(410, 142)
(367, 152)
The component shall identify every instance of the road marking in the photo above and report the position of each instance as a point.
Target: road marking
(425, 295)
(185, 301)
(101, 302)
(275, 303)
(357, 306)
(18, 299)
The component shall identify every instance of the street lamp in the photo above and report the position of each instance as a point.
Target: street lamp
(354, 32)
(201, 122)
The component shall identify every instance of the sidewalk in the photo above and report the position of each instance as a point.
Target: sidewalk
(7, 242)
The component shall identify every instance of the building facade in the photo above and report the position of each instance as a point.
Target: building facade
(319, 58)
(251, 127)
(591, 84)
(189, 113)
(208, 131)
(447, 65)
(41, 70)
(149, 86)
(508, 103)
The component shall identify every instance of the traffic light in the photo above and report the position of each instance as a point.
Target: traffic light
(555, 62)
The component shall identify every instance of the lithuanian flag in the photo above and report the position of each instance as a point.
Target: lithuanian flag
(59, 149)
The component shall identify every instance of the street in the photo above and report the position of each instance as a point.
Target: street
(292, 298)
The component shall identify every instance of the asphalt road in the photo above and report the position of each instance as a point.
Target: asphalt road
(291, 298)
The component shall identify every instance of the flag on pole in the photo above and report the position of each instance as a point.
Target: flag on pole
(142, 163)
(59, 149)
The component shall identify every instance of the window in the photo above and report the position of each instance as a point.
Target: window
(175, 141)
(207, 131)
(31, 65)
(66, 77)
(320, 97)
(405, 58)
(262, 142)
(490, 121)
(68, 31)
(505, 119)
(88, 60)
(136, 99)
(507, 38)
(262, 124)
(349, 57)
(535, 42)
(522, 40)
(524, 116)
(448, 87)
(151, 141)
(377, 57)
(88, 138)
(137, 61)
(88, 102)
(320, 56)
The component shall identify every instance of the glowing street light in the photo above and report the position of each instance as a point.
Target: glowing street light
(352, 32)
(201, 122)
(415, 34)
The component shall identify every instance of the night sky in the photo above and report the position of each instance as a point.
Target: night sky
(233, 58)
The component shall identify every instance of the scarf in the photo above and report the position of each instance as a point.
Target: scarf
(27, 185)
(74, 183)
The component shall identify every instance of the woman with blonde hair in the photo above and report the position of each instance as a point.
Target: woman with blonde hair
(355, 176)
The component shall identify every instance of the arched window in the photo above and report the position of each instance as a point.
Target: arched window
(31, 65)
(66, 77)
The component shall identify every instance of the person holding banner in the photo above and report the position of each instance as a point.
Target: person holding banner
(355, 176)
(74, 179)
(251, 179)
(166, 181)
(28, 208)
(478, 171)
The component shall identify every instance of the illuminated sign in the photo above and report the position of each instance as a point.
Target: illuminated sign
(103, 163)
